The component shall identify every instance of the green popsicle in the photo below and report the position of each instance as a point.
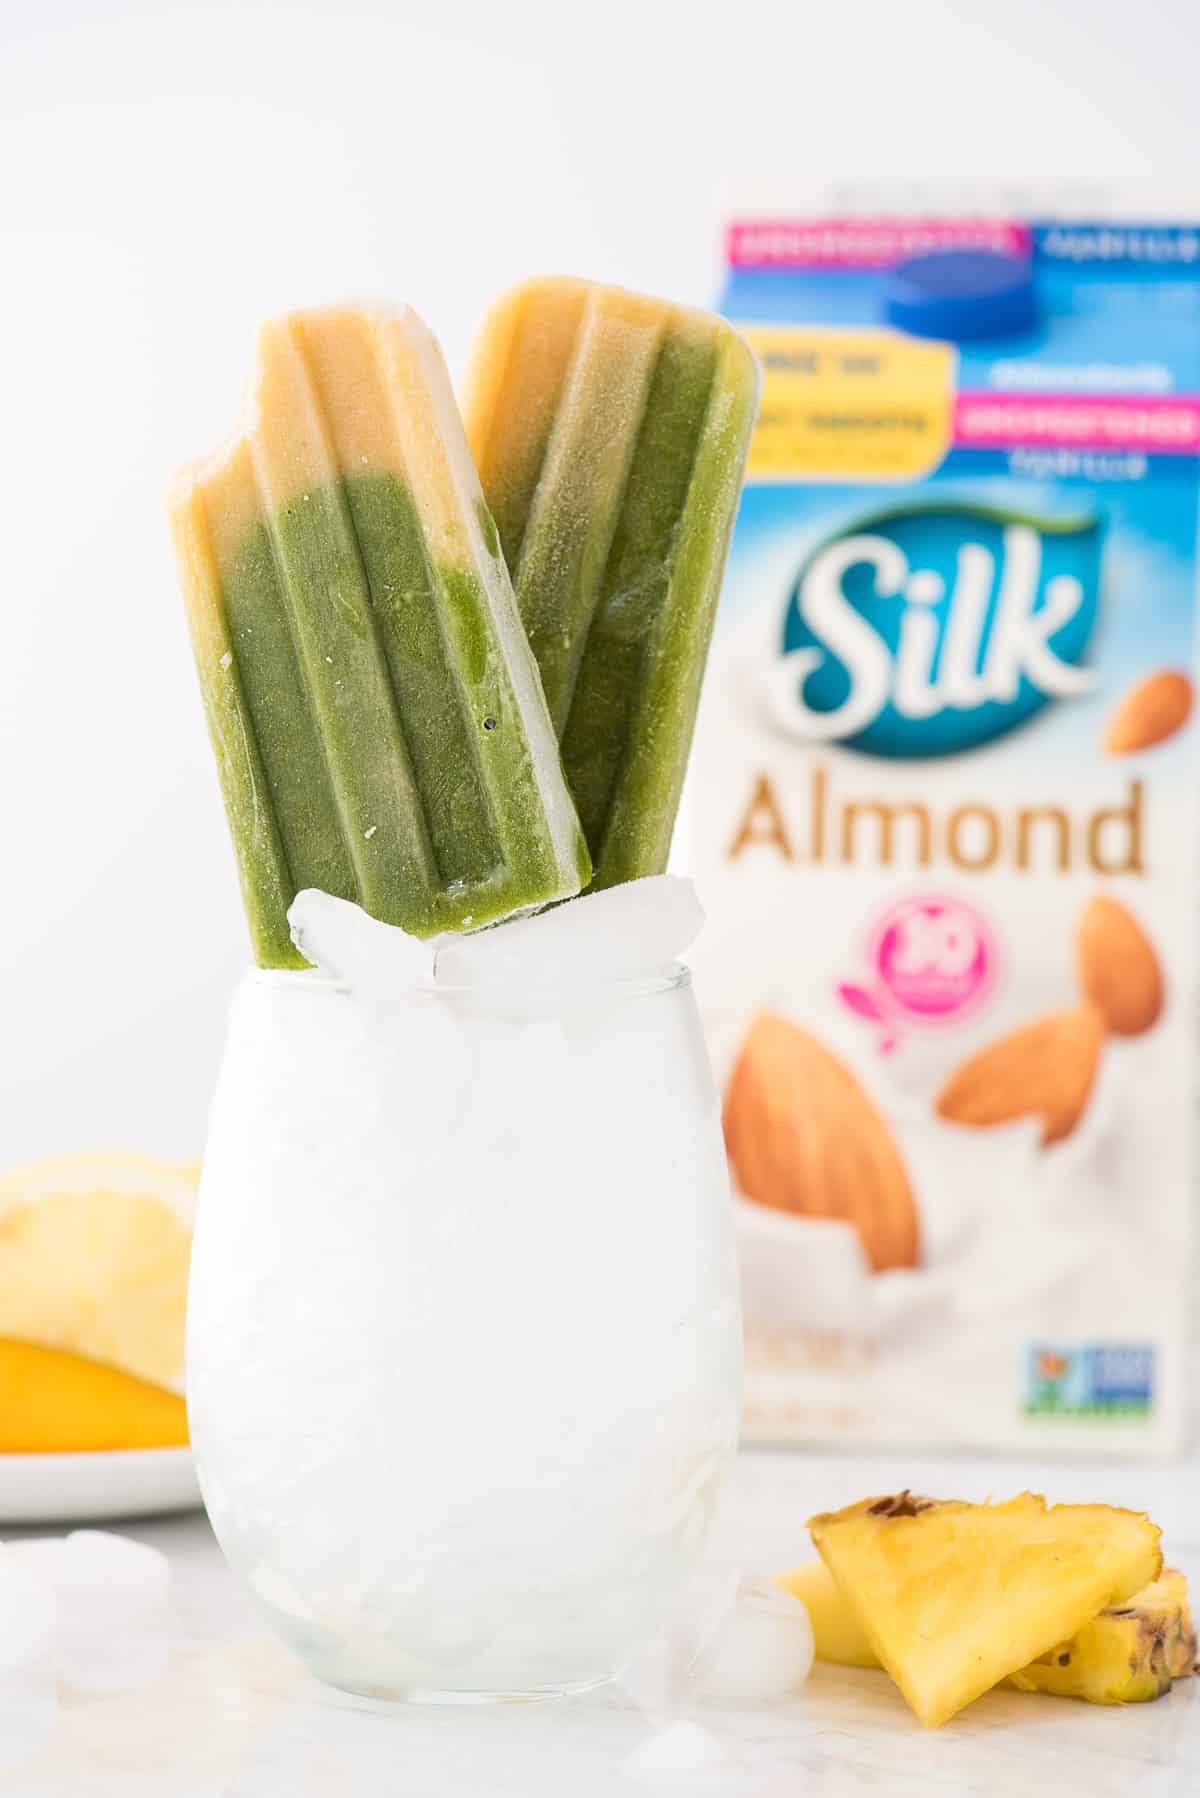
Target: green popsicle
(376, 713)
(611, 434)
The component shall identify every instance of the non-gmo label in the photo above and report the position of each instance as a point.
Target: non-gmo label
(1089, 1380)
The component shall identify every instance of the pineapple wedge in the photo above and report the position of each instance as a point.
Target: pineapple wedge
(954, 1597)
(1128, 1654)
(837, 1633)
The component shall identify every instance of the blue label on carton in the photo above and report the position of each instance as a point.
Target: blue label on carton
(925, 630)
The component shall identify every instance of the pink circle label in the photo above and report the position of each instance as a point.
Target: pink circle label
(935, 957)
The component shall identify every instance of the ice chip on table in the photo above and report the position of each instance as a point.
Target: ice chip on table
(622, 933)
(611, 433)
(344, 941)
(678, 1750)
(112, 1610)
(660, 1676)
(763, 1648)
(376, 713)
(37, 1554)
(28, 1614)
(28, 1657)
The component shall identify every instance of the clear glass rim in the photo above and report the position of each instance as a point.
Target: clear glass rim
(670, 978)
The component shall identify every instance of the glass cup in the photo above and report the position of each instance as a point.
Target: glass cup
(464, 1347)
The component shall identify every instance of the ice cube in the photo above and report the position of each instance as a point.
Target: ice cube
(762, 1650)
(40, 1554)
(28, 1612)
(624, 933)
(112, 1609)
(347, 943)
(658, 1676)
(28, 1657)
(677, 1751)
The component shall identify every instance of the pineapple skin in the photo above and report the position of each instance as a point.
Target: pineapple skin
(953, 1597)
(1129, 1654)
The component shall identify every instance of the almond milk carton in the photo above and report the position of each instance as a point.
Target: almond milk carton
(946, 831)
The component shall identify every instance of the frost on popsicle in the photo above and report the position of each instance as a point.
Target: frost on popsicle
(376, 714)
(611, 433)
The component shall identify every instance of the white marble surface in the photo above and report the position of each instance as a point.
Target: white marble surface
(235, 1717)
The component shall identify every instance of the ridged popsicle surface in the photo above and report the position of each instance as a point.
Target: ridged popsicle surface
(376, 712)
(611, 433)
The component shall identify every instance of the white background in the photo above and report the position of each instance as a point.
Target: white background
(171, 172)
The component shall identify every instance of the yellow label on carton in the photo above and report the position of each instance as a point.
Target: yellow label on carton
(850, 405)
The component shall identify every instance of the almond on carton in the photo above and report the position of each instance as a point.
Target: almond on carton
(803, 1137)
(1150, 712)
(1046, 1069)
(1119, 970)
(949, 974)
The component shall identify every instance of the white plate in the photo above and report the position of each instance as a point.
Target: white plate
(134, 1482)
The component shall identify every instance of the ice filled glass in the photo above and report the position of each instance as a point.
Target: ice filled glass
(463, 1342)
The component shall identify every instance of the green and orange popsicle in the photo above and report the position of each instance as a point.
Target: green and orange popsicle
(375, 710)
(611, 433)
(391, 721)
